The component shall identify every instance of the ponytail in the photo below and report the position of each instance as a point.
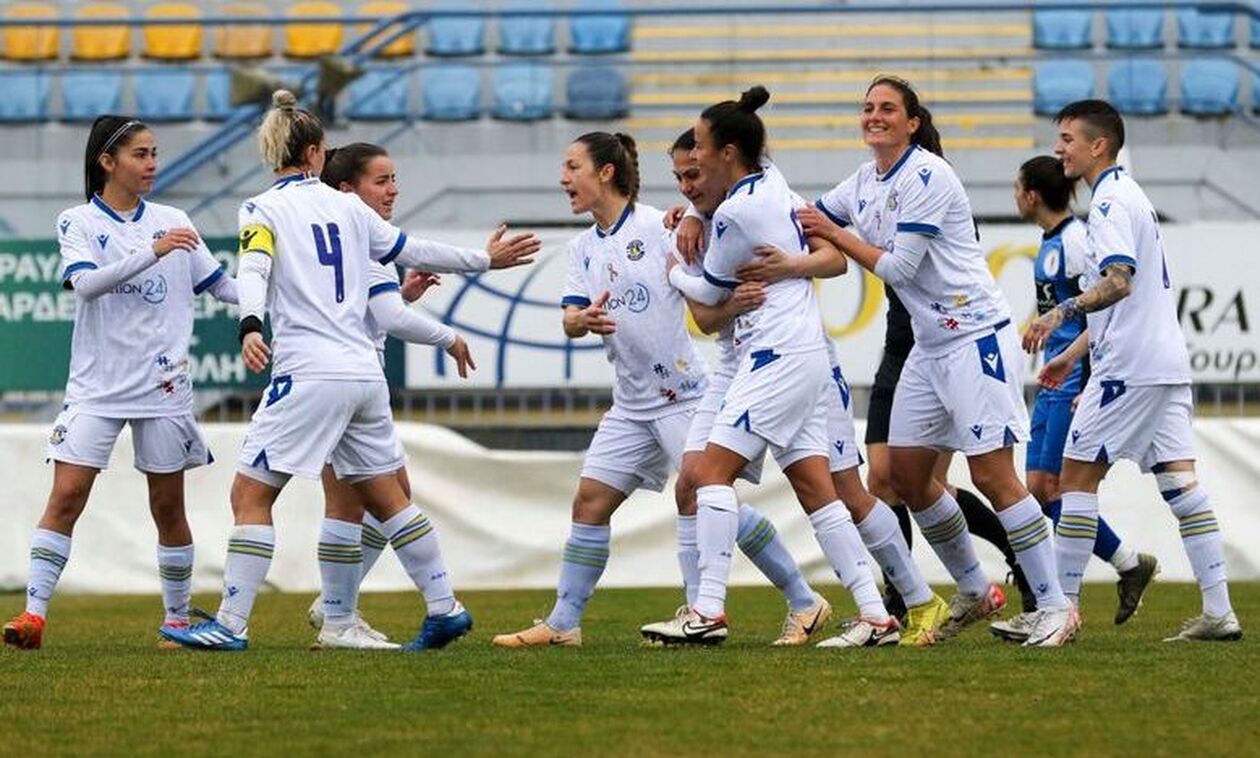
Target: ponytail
(736, 122)
(287, 131)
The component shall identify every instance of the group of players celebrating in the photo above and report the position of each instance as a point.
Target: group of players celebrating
(318, 254)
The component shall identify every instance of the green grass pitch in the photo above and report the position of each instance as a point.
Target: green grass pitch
(101, 686)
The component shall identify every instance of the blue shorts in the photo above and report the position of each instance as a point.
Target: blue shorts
(1051, 419)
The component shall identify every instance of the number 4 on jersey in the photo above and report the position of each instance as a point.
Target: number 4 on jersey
(329, 251)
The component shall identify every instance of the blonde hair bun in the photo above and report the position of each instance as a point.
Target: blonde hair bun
(282, 98)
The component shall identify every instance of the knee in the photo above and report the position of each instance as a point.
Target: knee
(66, 502)
(590, 506)
(685, 495)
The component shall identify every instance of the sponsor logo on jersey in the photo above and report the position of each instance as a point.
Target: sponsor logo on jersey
(103, 239)
(635, 250)
(669, 394)
(1104, 208)
(64, 225)
(250, 207)
(586, 263)
(636, 300)
(660, 370)
(861, 205)
(152, 291)
(689, 385)
(925, 175)
(721, 229)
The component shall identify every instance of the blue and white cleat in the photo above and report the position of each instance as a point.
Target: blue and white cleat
(440, 631)
(208, 635)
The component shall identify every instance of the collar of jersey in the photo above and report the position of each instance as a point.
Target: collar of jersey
(617, 226)
(896, 166)
(285, 181)
(1113, 170)
(747, 181)
(99, 203)
(1058, 228)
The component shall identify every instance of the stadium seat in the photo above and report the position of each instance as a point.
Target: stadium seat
(1057, 83)
(243, 42)
(1197, 30)
(450, 93)
(1063, 30)
(379, 95)
(173, 43)
(31, 43)
(402, 47)
(101, 43)
(522, 92)
(1209, 88)
(165, 94)
(1255, 95)
(1138, 87)
(218, 95)
(455, 36)
(1255, 34)
(1135, 30)
(596, 93)
(599, 34)
(86, 94)
(526, 35)
(25, 95)
(305, 41)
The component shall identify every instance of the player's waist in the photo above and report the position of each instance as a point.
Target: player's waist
(934, 345)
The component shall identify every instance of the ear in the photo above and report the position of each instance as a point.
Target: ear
(606, 173)
(346, 187)
(107, 162)
(914, 123)
(730, 153)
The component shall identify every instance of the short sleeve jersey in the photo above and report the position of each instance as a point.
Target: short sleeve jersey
(1056, 274)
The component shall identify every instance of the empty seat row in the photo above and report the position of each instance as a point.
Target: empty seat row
(1140, 86)
(449, 36)
(518, 92)
(1137, 30)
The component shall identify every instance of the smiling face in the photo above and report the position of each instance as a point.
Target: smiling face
(377, 186)
(133, 166)
(885, 124)
(717, 165)
(689, 177)
(1079, 151)
(581, 181)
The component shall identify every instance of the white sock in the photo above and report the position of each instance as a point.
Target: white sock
(840, 543)
(49, 552)
(250, 548)
(374, 542)
(585, 555)
(1074, 540)
(1124, 559)
(1201, 538)
(759, 540)
(945, 529)
(881, 533)
(1029, 532)
(415, 542)
(175, 565)
(340, 569)
(689, 558)
(717, 526)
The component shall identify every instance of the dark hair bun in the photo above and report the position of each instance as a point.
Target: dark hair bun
(753, 98)
(626, 141)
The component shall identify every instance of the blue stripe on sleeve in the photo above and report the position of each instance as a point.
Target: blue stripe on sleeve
(711, 279)
(916, 228)
(1111, 260)
(377, 289)
(209, 281)
(575, 300)
(823, 207)
(74, 268)
(396, 249)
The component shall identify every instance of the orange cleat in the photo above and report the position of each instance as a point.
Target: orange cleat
(165, 644)
(25, 632)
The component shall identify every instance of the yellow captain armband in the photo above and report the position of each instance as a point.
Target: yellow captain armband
(256, 238)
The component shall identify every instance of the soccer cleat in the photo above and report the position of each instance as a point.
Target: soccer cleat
(923, 621)
(1133, 584)
(965, 610)
(315, 617)
(1054, 627)
(440, 631)
(25, 632)
(208, 635)
(799, 626)
(1203, 628)
(355, 636)
(1015, 628)
(894, 603)
(687, 628)
(165, 644)
(540, 635)
(864, 632)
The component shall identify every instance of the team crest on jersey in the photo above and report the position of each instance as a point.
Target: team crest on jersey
(58, 435)
(960, 300)
(925, 175)
(103, 239)
(682, 366)
(635, 250)
(1050, 264)
(892, 201)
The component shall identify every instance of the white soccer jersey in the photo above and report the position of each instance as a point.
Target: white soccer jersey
(655, 363)
(724, 340)
(1138, 340)
(952, 295)
(381, 280)
(129, 352)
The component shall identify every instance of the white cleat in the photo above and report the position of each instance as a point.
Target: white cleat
(865, 632)
(799, 626)
(1209, 629)
(965, 610)
(1015, 628)
(356, 636)
(1054, 627)
(686, 628)
(315, 617)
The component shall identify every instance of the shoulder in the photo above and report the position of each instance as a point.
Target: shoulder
(75, 213)
(159, 212)
(647, 215)
(582, 240)
(928, 172)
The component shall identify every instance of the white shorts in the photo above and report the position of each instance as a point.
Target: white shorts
(777, 401)
(970, 400)
(702, 423)
(1147, 425)
(163, 445)
(301, 424)
(844, 453)
(627, 454)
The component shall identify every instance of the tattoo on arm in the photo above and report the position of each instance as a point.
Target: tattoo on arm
(1115, 285)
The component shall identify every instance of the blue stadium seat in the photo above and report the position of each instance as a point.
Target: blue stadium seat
(596, 93)
(522, 92)
(86, 94)
(1255, 95)
(1063, 30)
(25, 95)
(456, 36)
(1205, 31)
(165, 94)
(1209, 88)
(1135, 30)
(450, 93)
(1138, 87)
(527, 35)
(218, 95)
(600, 34)
(379, 95)
(1057, 83)
(1255, 33)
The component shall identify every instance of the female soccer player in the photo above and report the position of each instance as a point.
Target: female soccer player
(135, 268)
(961, 387)
(306, 253)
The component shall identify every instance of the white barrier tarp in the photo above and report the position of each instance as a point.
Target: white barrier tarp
(503, 516)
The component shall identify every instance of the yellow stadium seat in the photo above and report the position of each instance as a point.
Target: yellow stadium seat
(31, 43)
(102, 43)
(243, 42)
(399, 48)
(173, 43)
(312, 40)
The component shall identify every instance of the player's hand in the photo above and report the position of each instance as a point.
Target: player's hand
(517, 250)
(595, 318)
(1041, 329)
(255, 352)
(1056, 371)
(463, 357)
(748, 296)
(690, 239)
(179, 238)
(815, 223)
(673, 216)
(771, 265)
(416, 283)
